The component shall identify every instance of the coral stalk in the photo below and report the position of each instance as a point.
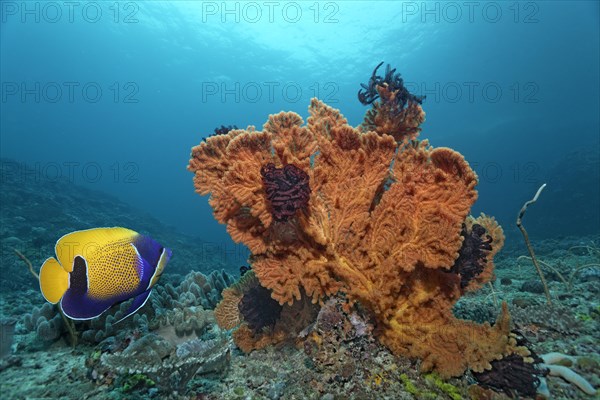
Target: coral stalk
(26, 260)
(528, 243)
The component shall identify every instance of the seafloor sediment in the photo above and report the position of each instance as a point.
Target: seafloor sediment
(342, 366)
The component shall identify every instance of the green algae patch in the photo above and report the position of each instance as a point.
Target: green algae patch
(449, 389)
(136, 381)
(410, 387)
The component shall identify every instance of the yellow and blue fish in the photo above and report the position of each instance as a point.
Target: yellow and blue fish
(95, 269)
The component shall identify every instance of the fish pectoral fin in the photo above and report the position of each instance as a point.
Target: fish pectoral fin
(54, 280)
(138, 302)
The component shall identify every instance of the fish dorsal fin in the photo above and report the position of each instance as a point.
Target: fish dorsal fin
(86, 242)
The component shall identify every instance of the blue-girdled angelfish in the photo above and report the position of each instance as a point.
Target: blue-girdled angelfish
(98, 268)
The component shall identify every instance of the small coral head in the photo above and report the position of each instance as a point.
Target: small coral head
(287, 190)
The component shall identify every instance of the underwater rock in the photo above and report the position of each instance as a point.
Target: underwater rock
(532, 287)
(556, 321)
(169, 367)
(9, 362)
(590, 274)
(523, 302)
(149, 349)
(475, 311)
(339, 341)
(7, 330)
(506, 281)
(12, 242)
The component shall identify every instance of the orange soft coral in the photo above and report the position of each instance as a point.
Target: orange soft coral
(383, 225)
(227, 313)
(259, 321)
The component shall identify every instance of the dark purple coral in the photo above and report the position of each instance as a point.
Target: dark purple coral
(258, 309)
(392, 79)
(222, 130)
(244, 269)
(472, 254)
(287, 190)
(512, 374)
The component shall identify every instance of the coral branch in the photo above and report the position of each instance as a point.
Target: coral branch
(528, 243)
(29, 265)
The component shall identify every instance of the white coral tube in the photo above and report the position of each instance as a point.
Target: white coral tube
(571, 376)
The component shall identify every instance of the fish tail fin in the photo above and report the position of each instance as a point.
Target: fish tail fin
(54, 280)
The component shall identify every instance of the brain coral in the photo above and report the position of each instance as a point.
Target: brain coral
(384, 224)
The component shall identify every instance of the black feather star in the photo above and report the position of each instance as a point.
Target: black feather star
(393, 80)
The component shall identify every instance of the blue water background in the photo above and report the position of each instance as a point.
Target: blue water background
(158, 64)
